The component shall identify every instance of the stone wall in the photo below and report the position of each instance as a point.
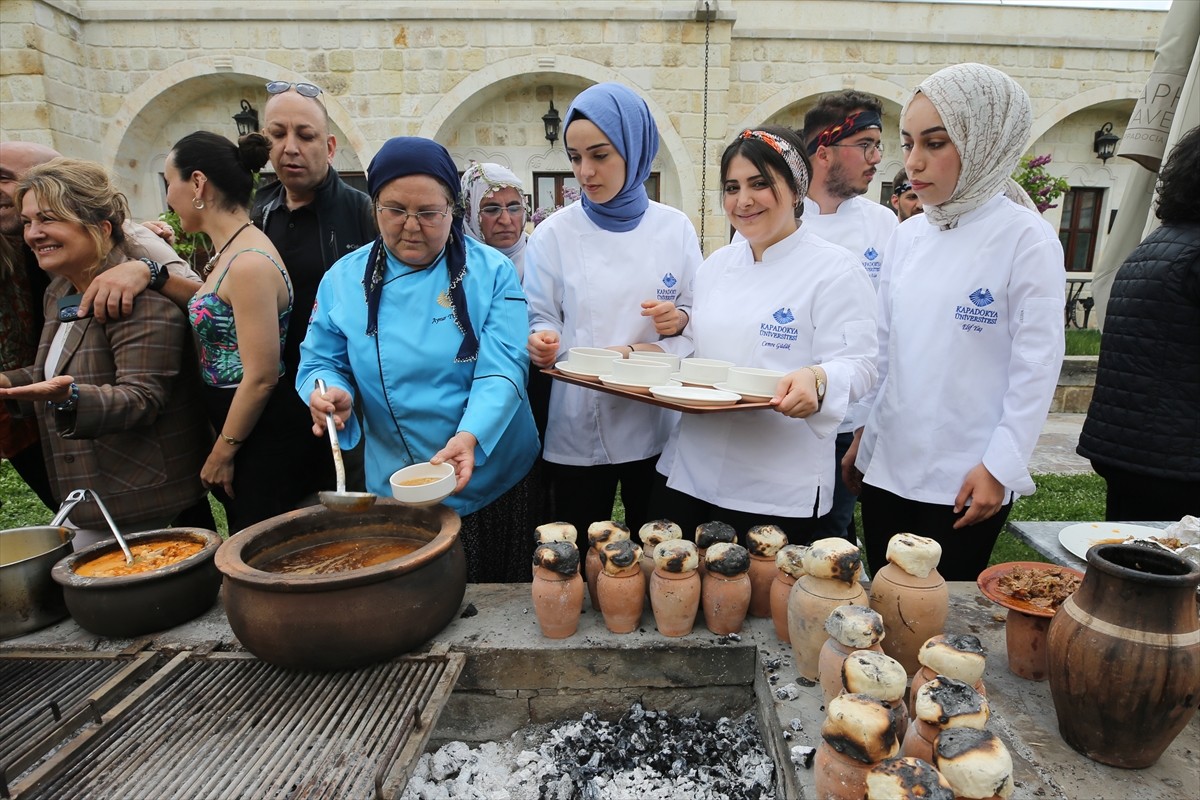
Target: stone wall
(111, 80)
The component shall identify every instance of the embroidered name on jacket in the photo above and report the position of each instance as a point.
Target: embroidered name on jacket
(977, 314)
(669, 293)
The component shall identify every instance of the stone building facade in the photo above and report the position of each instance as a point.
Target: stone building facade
(119, 81)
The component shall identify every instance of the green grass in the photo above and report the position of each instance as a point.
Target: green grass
(1083, 343)
(20, 507)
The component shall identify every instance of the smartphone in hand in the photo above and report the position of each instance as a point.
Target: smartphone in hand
(68, 308)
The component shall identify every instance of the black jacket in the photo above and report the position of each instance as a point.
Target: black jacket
(344, 214)
(1145, 413)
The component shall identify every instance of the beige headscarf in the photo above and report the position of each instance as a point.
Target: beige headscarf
(988, 117)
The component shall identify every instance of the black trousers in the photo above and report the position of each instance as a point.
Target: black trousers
(690, 512)
(965, 552)
(583, 495)
(1141, 498)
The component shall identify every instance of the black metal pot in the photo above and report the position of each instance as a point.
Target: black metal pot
(132, 605)
(343, 619)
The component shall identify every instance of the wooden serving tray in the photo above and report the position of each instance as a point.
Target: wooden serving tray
(650, 399)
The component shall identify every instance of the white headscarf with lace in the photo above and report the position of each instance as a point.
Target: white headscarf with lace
(988, 117)
(480, 180)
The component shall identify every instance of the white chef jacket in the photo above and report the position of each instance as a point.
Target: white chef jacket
(863, 227)
(807, 302)
(970, 347)
(588, 284)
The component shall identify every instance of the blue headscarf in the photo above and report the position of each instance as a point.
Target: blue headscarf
(412, 155)
(625, 119)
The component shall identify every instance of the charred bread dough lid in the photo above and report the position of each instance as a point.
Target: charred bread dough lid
(660, 530)
(790, 559)
(560, 557)
(726, 558)
(916, 555)
(835, 559)
(948, 703)
(955, 655)
(765, 540)
(874, 674)
(607, 531)
(860, 727)
(974, 762)
(859, 627)
(676, 555)
(555, 532)
(710, 533)
(619, 556)
(907, 779)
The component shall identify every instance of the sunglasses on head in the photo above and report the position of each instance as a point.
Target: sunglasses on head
(306, 89)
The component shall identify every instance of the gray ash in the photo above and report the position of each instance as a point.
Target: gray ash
(648, 749)
(963, 642)
(728, 560)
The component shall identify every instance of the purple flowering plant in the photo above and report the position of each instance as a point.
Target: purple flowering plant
(570, 195)
(1042, 189)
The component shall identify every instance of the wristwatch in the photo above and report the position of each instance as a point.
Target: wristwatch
(820, 385)
(158, 274)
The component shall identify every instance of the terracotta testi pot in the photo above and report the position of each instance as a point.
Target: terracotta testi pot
(591, 569)
(557, 602)
(1123, 655)
(622, 598)
(809, 605)
(675, 598)
(781, 587)
(837, 776)
(918, 740)
(829, 665)
(725, 599)
(1025, 638)
(913, 609)
(762, 575)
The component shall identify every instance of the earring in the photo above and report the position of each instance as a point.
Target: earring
(197, 203)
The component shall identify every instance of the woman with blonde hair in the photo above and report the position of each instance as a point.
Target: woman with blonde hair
(117, 403)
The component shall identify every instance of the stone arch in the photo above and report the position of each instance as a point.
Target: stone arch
(132, 130)
(1079, 102)
(885, 90)
(439, 119)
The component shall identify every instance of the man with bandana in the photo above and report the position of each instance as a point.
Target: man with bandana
(904, 199)
(843, 134)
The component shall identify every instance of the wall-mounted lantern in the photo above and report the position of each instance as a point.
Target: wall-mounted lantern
(551, 120)
(1105, 144)
(246, 119)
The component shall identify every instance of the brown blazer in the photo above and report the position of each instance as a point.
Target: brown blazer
(139, 434)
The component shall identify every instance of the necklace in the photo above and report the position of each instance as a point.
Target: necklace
(208, 268)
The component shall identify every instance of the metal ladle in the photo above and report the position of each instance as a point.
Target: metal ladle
(341, 500)
(78, 496)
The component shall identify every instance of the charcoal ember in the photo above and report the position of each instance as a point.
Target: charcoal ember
(803, 756)
(469, 611)
(803, 681)
(796, 725)
(773, 679)
(789, 692)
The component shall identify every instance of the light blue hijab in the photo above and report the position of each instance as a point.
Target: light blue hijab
(625, 119)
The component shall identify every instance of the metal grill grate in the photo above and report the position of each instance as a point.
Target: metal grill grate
(230, 726)
(45, 695)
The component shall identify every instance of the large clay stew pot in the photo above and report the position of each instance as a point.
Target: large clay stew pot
(343, 619)
(1124, 655)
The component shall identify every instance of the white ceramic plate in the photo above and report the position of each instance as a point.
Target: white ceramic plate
(566, 369)
(1080, 538)
(640, 388)
(694, 396)
(675, 377)
(749, 398)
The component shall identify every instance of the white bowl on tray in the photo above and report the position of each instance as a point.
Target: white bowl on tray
(664, 358)
(426, 492)
(638, 388)
(754, 385)
(593, 361)
(645, 373)
(702, 372)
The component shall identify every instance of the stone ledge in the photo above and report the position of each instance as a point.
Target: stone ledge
(929, 37)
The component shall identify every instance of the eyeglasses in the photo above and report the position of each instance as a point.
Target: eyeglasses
(493, 212)
(426, 219)
(866, 147)
(306, 89)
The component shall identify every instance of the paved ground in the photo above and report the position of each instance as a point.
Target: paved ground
(1055, 450)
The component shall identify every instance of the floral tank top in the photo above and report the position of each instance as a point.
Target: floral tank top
(212, 319)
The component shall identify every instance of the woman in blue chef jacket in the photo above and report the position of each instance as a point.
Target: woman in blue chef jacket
(425, 331)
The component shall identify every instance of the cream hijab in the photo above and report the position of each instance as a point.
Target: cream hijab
(988, 117)
(478, 181)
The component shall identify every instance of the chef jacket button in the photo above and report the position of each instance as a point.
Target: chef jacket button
(69, 459)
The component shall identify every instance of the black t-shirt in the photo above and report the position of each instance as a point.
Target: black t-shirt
(296, 234)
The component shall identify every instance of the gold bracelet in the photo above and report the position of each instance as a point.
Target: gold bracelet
(229, 440)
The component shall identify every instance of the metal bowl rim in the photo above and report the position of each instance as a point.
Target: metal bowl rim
(64, 571)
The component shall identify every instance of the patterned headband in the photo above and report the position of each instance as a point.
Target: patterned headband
(858, 121)
(794, 161)
(902, 187)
